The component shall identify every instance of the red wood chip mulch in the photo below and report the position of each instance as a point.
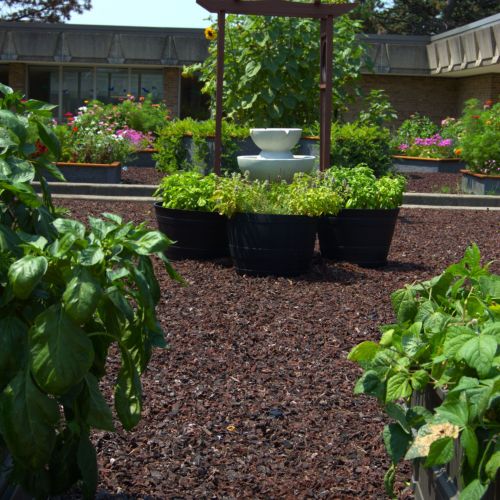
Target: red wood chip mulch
(254, 398)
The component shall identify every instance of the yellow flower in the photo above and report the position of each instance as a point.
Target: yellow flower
(231, 428)
(210, 34)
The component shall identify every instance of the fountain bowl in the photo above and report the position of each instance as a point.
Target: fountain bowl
(270, 169)
(275, 139)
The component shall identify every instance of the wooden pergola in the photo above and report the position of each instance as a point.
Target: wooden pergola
(281, 8)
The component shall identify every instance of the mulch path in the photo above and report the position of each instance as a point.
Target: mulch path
(417, 182)
(254, 398)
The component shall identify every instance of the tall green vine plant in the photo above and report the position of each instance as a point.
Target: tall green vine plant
(67, 294)
(272, 69)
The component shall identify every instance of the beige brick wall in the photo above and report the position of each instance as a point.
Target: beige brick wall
(481, 87)
(431, 96)
(171, 89)
(17, 76)
(436, 97)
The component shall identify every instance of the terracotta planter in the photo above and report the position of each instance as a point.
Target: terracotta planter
(142, 158)
(414, 164)
(92, 173)
(480, 183)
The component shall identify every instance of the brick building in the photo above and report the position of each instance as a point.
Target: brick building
(65, 64)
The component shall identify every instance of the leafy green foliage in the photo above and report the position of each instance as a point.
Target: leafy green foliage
(270, 83)
(306, 195)
(188, 190)
(359, 188)
(354, 143)
(67, 294)
(480, 138)
(173, 153)
(446, 337)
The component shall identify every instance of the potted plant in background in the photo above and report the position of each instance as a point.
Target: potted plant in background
(272, 226)
(422, 146)
(185, 212)
(91, 153)
(362, 231)
(480, 148)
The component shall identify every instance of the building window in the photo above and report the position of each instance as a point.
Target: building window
(148, 83)
(43, 83)
(194, 104)
(4, 74)
(78, 86)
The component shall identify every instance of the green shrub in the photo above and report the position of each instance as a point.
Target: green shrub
(353, 144)
(173, 154)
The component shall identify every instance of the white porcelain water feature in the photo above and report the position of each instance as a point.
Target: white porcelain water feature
(275, 161)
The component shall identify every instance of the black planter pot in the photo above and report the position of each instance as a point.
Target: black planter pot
(359, 236)
(197, 235)
(277, 245)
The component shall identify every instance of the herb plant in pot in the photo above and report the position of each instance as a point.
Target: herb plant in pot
(272, 226)
(362, 231)
(186, 213)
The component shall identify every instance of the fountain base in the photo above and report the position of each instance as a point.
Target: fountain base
(274, 169)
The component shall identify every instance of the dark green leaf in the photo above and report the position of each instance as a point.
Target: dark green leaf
(364, 351)
(99, 414)
(70, 226)
(370, 383)
(419, 380)
(396, 441)
(455, 412)
(26, 273)
(81, 296)
(61, 352)
(479, 352)
(470, 444)
(403, 302)
(473, 491)
(87, 463)
(13, 347)
(11, 121)
(49, 138)
(440, 452)
(91, 256)
(493, 465)
(398, 386)
(389, 480)
(27, 421)
(128, 394)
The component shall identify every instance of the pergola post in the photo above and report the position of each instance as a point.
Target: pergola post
(221, 32)
(325, 89)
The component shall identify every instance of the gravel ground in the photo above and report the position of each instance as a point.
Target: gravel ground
(254, 397)
(417, 183)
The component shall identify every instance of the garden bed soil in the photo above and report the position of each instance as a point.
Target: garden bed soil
(254, 398)
(417, 182)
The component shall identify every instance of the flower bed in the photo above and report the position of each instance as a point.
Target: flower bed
(481, 184)
(415, 164)
(109, 173)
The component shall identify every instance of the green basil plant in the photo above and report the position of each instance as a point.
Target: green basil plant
(67, 295)
(446, 338)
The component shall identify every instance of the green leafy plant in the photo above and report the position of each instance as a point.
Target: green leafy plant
(173, 151)
(68, 294)
(270, 83)
(480, 139)
(188, 190)
(446, 338)
(379, 111)
(359, 188)
(306, 195)
(353, 143)
(416, 126)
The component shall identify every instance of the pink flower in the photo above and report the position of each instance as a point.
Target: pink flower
(403, 147)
